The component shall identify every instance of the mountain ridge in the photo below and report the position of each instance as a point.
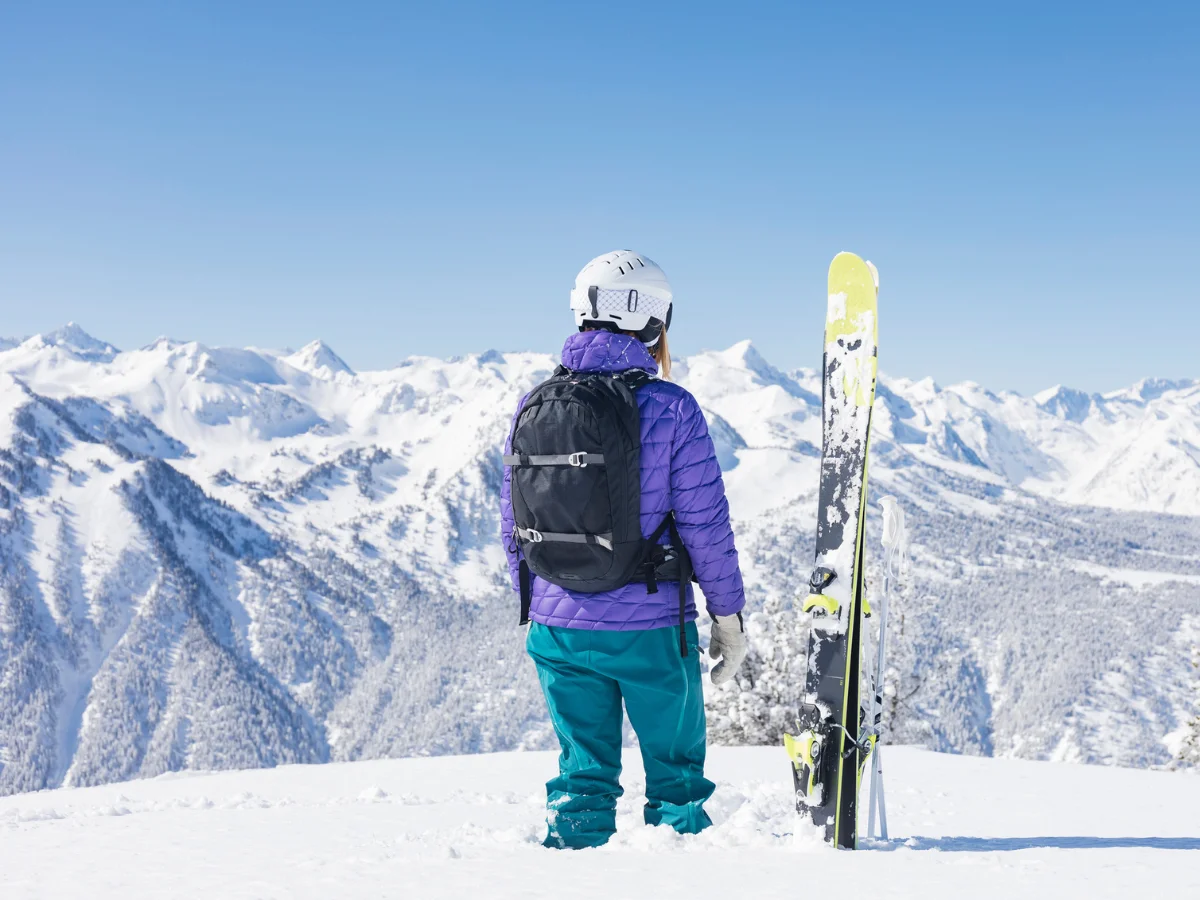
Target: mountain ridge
(220, 557)
(72, 336)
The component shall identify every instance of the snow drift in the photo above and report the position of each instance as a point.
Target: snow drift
(471, 826)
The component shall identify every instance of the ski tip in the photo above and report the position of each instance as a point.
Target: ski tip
(849, 261)
(852, 295)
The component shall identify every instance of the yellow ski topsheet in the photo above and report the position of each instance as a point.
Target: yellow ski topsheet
(853, 315)
(852, 294)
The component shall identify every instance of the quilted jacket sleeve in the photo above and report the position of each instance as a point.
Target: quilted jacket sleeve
(507, 522)
(702, 511)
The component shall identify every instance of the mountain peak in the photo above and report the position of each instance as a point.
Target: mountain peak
(744, 351)
(1148, 389)
(745, 355)
(1153, 388)
(1064, 402)
(78, 343)
(318, 358)
(162, 342)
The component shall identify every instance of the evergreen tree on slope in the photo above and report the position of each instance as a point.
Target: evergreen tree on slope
(1189, 750)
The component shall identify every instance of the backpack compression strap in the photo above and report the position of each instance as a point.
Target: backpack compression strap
(578, 460)
(536, 537)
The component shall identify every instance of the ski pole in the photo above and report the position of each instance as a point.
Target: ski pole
(894, 538)
(877, 711)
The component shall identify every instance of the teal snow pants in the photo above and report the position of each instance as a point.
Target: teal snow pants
(585, 676)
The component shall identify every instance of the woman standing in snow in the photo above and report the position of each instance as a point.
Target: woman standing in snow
(611, 604)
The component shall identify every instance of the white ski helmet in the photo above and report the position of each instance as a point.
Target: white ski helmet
(623, 291)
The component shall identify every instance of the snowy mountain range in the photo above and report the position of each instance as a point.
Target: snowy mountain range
(218, 558)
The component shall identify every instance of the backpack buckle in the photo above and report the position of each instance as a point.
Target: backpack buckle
(533, 535)
(576, 460)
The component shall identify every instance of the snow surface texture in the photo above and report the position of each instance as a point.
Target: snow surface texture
(459, 827)
(217, 558)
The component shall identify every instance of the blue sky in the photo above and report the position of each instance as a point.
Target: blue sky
(427, 178)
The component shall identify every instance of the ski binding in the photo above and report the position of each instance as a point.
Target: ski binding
(820, 604)
(807, 752)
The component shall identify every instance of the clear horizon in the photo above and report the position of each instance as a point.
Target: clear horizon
(403, 180)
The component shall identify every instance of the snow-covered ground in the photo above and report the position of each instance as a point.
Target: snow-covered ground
(463, 826)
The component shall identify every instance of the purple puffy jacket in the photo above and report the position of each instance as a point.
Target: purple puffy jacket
(679, 472)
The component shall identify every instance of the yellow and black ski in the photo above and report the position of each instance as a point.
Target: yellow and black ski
(827, 748)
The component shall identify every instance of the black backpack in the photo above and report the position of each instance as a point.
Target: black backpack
(577, 493)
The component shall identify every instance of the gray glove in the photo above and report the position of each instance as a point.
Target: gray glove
(728, 643)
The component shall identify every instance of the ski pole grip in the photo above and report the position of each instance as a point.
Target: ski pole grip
(893, 521)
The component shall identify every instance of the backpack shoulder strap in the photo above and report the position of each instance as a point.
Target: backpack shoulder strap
(524, 580)
(685, 577)
(636, 378)
(668, 524)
